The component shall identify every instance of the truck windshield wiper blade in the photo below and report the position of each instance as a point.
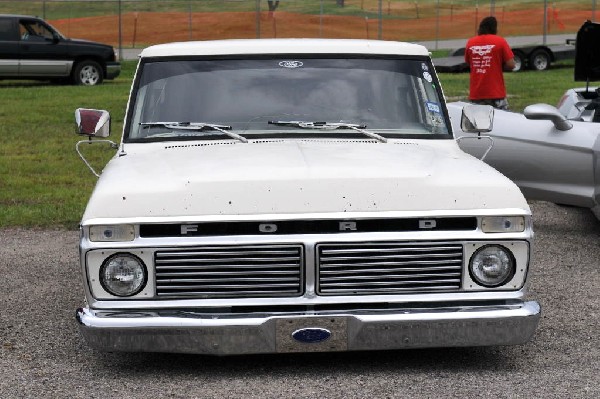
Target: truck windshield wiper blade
(197, 126)
(330, 126)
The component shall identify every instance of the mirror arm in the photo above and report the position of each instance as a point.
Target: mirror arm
(479, 137)
(90, 141)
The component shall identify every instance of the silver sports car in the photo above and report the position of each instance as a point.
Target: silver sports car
(551, 153)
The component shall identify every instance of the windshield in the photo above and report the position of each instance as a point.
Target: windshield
(286, 97)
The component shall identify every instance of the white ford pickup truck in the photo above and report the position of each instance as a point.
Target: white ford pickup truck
(298, 195)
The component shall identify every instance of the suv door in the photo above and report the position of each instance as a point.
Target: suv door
(44, 53)
(9, 48)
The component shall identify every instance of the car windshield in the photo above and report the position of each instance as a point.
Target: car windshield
(286, 97)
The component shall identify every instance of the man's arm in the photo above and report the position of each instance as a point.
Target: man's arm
(508, 57)
(510, 65)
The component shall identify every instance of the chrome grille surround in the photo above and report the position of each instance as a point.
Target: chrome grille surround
(389, 267)
(230, 271)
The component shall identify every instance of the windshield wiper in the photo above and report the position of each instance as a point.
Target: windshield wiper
(330, 126)
(197, 126)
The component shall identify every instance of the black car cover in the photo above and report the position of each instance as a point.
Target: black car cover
(587, 52)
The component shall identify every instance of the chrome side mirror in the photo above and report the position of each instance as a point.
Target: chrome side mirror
(547, 112)
(477, 118)
(92, 122)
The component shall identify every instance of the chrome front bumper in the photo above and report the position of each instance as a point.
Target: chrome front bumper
(211, 334)
(113, 69)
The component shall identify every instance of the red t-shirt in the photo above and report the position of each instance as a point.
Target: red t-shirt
(486, 55)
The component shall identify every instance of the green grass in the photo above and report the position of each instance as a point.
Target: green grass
(44, 183)
(42, 180)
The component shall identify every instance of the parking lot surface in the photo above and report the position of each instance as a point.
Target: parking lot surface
(43, 356)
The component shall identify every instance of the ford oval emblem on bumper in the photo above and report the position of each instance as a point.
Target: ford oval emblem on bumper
(311, 335)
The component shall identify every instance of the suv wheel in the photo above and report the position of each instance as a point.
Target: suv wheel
(87, 73)
(540, 60)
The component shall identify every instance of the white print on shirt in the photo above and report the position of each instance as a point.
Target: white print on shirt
(481, 57)
(482, 50)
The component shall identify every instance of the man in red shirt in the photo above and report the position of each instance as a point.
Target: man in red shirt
(488, 55)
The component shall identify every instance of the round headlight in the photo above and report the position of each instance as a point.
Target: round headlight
(123, 275)
(492, 266)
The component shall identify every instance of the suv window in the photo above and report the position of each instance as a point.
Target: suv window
(34, 30)
(6, 29)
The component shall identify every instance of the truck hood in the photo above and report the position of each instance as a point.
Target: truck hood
(199, 180)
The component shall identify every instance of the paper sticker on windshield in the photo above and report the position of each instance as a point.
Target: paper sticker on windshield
(433, 107)
(427, 76)
(291, 64)
(435, 114)
(424, 67)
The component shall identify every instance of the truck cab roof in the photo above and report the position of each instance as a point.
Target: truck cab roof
(285, 46)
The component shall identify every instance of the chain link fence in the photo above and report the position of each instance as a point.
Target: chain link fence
(139, 23)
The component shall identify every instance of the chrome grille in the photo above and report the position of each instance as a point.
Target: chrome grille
(229, 271)
(388, 268)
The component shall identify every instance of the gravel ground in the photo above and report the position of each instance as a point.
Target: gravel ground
(43, 356)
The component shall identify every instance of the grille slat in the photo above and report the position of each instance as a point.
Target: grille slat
(397, 256)
(397, 290)
(397, 264)
(391, 279)
(243, 287)
(399, 284)
(220, 260)
(249, 266)
(385, 268)
(230, 271)
(188, 274)
(416, 249)
(219, 293)
(219, 281)
(386, 272)
(243, 253)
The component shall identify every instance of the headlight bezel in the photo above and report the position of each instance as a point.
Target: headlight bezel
(105, 286)
(507, 277)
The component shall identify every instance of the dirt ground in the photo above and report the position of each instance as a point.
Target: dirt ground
(143, 28)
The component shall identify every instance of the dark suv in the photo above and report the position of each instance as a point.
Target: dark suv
(30, 48)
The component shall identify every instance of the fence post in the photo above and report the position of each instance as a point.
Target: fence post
(120, 34)
(545, 30)
(190, 18)
(476, 16)
(258, 19)
(437, 23)
(321, 20)
(380, 26)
